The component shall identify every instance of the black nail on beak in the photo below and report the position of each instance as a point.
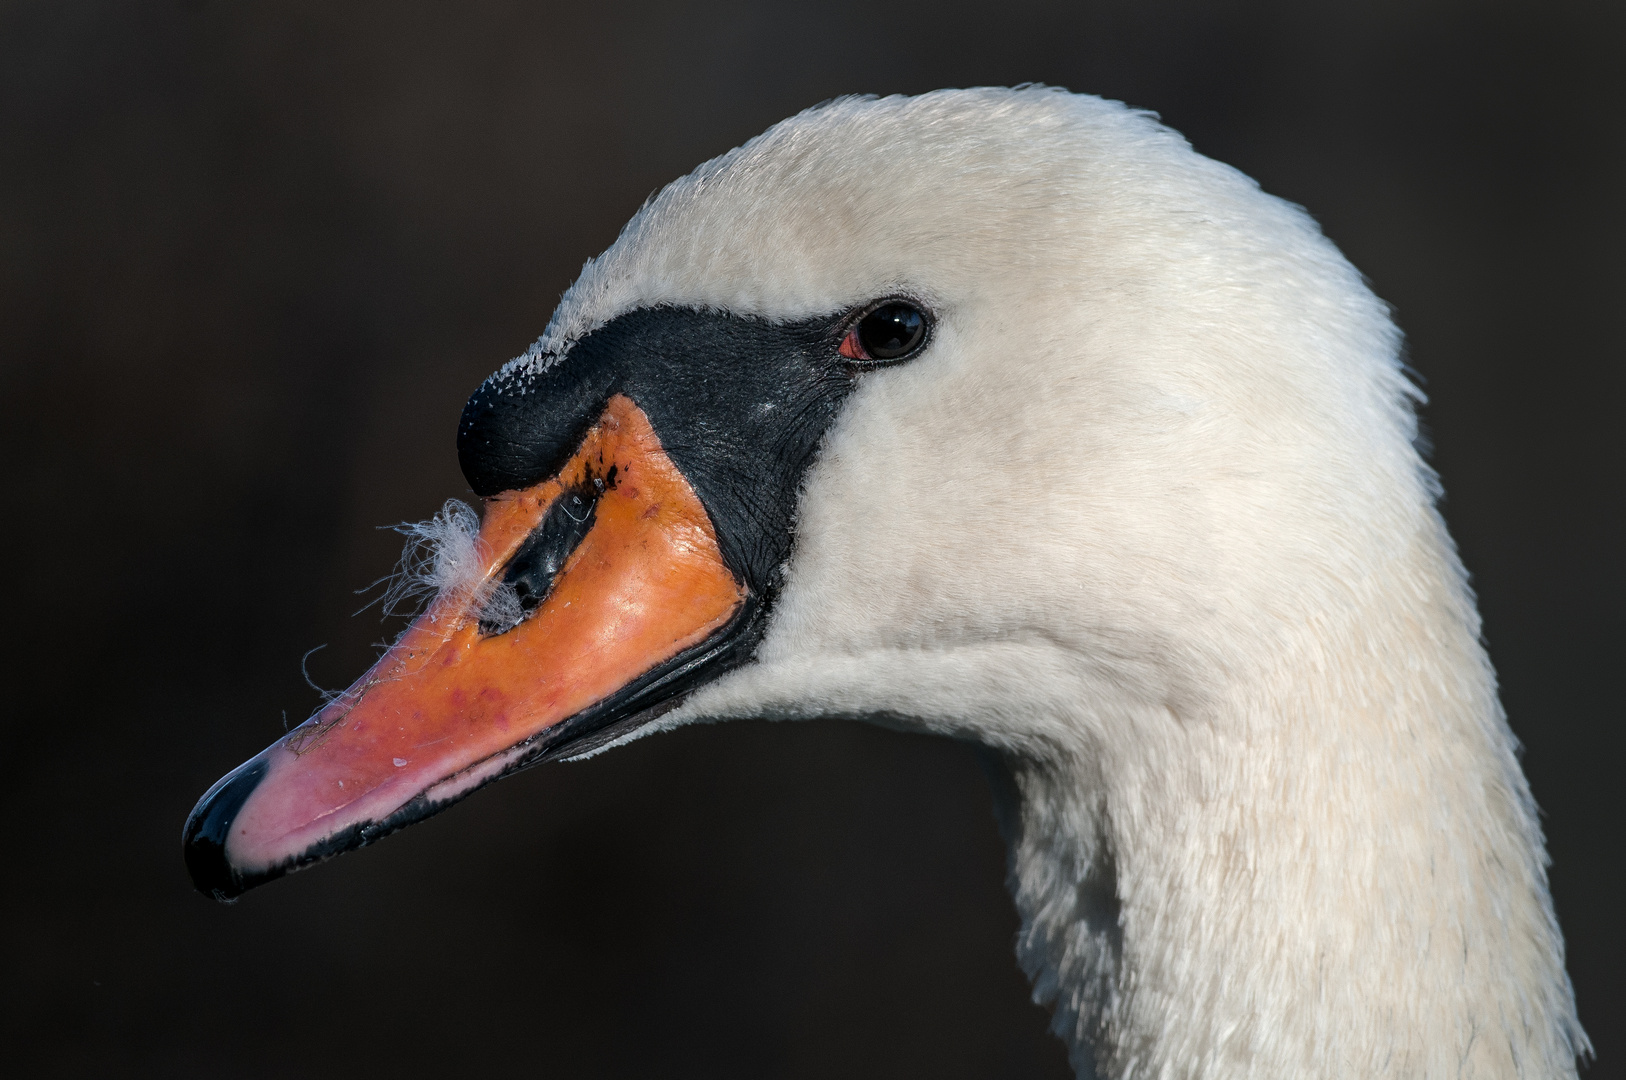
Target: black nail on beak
(204, 837)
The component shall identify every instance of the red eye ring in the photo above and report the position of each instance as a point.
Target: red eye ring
(851, 348)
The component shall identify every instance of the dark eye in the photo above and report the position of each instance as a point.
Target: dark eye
(890, 332)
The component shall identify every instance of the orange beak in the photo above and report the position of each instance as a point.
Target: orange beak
(614, 571)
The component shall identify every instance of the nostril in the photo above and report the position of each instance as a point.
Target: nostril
(531, 572)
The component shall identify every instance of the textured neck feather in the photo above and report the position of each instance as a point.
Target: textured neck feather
(1337, 872)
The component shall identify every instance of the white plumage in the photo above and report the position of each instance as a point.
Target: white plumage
(1146, 517)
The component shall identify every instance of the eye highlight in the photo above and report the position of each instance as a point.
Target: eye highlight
(891, 331)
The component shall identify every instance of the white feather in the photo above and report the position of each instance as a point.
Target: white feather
(444, 559)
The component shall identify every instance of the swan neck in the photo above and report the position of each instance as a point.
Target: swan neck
(1316, 881)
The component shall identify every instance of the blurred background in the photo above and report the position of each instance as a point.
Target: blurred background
(253, 258)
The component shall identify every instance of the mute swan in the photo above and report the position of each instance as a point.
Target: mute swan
(1001, 414)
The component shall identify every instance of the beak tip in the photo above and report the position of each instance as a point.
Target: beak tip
(203, 840)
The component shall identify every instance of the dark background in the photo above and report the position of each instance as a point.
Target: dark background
(254, 257)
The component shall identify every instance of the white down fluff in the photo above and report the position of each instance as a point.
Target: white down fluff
(1146, 517)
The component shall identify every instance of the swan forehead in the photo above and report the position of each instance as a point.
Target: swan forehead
(940, 195)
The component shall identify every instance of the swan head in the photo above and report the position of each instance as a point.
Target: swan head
(999, 414)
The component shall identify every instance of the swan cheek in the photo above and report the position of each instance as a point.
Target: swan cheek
(608, 629)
